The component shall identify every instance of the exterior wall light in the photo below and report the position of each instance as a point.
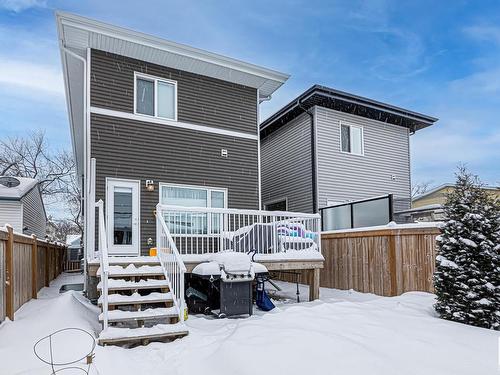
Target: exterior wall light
(150, 186)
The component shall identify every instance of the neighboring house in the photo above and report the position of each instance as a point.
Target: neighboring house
(438, 194)
(75, 248)
(428, 206)
(21, 205)
(328, 147)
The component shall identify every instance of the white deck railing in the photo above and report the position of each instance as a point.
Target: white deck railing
(104, 262)
(197, 231)
(172, 264)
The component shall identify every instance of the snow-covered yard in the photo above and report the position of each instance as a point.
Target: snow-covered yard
(344, 333)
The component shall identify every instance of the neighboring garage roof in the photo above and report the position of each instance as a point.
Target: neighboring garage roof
(348, 103)
(14, 188)
(449, 185)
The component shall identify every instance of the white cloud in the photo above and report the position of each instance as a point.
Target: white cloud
(20, 5)
(485, 82)
(25, 75)
(438, 150)
(486, 33)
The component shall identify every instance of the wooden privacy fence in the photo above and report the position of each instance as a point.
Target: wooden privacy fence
(387, 262)
(27, 264)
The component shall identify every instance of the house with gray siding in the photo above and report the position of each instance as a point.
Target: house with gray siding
(21, 206)
(328, 147)
(165, 123)
(167, 148)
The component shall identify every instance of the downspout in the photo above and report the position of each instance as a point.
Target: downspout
(260, 99)
(86, 184)
(313, 157)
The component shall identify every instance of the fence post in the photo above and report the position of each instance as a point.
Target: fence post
(9, 274)
(34, 267)
(393, 291)
(47, 264)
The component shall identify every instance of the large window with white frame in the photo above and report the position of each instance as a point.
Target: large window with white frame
(155, 96)
(351, 139)
(193, 223)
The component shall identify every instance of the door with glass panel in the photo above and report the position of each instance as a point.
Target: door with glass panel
(122, 211)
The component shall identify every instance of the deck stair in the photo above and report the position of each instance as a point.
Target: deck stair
(140, 304)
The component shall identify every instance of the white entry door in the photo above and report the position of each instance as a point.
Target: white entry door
(122, 212)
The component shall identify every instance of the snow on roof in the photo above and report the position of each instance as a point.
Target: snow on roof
(73, 239)
(435, 206)
(10, 190)
(448, 185)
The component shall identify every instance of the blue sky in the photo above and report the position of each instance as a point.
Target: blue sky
(441, 58)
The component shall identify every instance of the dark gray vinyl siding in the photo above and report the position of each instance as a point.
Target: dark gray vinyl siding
(343, 177)
(201, 100)
(286, 165)
(34, 214)
(140, 150)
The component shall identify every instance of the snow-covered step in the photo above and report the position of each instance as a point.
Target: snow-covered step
(137, 299)
(133, 270)
(114, 335)
(138, 261)
(124, 316)
(120, 284)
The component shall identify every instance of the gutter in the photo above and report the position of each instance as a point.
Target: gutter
(86, 149)
(314, 172)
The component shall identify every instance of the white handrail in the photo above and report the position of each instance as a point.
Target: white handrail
(202, 230)
(171, 262)
(104, 262)
(166, 207)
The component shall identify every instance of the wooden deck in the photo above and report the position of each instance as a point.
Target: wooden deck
(312, 267)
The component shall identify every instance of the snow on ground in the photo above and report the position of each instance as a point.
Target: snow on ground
(344, 333)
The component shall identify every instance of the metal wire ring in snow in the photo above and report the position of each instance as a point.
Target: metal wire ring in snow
(52, 363)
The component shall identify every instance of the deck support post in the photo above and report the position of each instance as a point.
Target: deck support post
(314, 285)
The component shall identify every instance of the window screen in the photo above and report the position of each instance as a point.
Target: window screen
(346, 138)
(145, 97)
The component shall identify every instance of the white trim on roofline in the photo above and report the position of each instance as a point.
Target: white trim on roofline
(175, 124)
(164, 45)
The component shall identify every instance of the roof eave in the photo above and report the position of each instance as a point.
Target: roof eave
(90, 25)
(425, 120)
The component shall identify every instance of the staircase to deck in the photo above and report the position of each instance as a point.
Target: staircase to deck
(141, 298)
(140, 304)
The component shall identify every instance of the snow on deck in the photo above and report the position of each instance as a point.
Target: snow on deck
(343, 333)
(284, 256)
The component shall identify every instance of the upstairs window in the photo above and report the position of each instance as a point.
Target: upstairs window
(351, 139)
(155, 97)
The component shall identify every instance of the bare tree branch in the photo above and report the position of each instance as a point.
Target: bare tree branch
(420, 188)
(55, 171)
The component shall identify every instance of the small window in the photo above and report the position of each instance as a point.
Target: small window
(155, 97)
(351, 139)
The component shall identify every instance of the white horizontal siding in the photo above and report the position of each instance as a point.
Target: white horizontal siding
(343, 177)
(11, 212)
(34, 219)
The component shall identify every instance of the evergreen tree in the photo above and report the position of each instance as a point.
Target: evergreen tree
(467, 276)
